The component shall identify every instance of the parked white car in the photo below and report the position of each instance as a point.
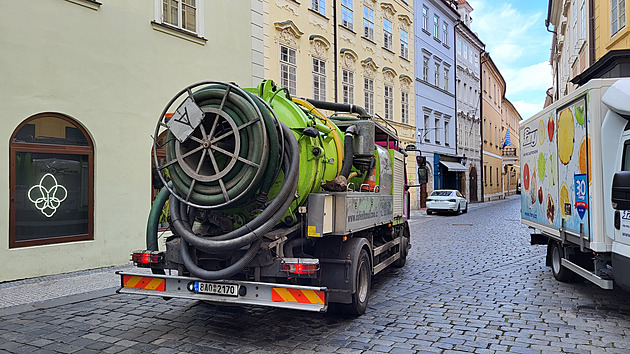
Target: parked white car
(446, 200)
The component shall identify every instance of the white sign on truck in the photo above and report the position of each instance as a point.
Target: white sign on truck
(570, 153)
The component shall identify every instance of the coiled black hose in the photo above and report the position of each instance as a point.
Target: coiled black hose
(250, 233)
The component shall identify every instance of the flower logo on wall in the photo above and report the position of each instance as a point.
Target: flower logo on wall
(47, 200)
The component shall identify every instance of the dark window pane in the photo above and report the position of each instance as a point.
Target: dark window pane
(51, 130)
(51, 195)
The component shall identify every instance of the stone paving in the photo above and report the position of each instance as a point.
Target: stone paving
(472, 284)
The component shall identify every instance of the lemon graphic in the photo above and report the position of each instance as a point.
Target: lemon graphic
(565, 200)
(566, 131)
(541, 132)
(541, 166)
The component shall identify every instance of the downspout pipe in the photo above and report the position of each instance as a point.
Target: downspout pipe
(591, 32)
(336, 57)
(340, 107)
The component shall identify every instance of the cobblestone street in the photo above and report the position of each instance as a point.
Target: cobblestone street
(472, 283)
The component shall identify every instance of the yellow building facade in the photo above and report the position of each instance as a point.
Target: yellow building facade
(493, 93)
(348, 51)
(510, 153)
(83, 87)
(610, 30)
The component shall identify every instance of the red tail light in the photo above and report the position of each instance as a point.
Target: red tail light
(147, 258)
(452, 200)
(300, 266)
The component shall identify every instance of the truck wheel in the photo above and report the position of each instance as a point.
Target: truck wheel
(363, 280)
(561, 273)
(404, 249)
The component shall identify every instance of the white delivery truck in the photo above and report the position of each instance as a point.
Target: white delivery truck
(575, 160)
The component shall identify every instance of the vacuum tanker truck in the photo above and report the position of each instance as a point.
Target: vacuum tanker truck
(271, 202)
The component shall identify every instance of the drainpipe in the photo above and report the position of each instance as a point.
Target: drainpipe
(591, 32)
(481, 169)
(336, 57)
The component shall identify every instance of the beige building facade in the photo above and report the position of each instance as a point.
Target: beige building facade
(348, 51)
(84, 84)
(493, 93)
(510, 153)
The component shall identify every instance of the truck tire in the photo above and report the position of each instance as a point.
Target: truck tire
(363, 279)
(561, 273)
(404, 248)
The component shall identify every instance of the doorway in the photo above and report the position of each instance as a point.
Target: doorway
(473, 184)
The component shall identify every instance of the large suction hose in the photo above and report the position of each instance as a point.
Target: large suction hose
(249, 234)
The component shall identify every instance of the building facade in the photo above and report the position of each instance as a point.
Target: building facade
(493, 93)
(435, 94)
(350, 51)
(84, 85)
(510, 147)
(468, 50)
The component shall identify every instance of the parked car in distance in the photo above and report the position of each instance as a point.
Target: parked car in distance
(446, 200)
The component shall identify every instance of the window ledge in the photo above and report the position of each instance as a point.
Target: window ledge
(426, 32)
(446, 45)
(160, 27)
(369, 40)
(347, 29)
(388, 50)
(319, 14)
(90, 4)
(405, 59)
(437, 39)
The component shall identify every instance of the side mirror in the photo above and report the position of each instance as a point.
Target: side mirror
(621, 191)
(422, 175)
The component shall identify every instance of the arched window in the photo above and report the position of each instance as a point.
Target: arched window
(51, 182)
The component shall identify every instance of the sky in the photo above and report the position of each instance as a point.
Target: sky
(520, 46)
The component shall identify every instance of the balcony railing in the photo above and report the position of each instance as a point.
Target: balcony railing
(509, 152)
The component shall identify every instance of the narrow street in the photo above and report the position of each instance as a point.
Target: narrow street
(472, 283)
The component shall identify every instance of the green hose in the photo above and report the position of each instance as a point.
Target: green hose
(154, 218)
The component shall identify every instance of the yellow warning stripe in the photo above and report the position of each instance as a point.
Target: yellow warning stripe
(285, 294)
(133, 281)
(139, 282)
(312, 297)
(298, 295)
(153, 284)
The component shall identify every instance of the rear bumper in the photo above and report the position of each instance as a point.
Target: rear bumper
(306, 298)
(441, 206)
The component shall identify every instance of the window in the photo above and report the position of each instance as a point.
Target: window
(346, 14)
(426, 128)
(445, 79)
(490, 175)
(368, 23)
(425, 69)
(444, 33)
(485, 174)
(288, 69)
(435, 131)
(319, 6)
(582, 21)
(446, 133)
(387, 35)
(436, 75)
(368, 90)
(464, 93)
(51, 182)
(347, 84)
(436, 26)
(465, 51)
(425, 18)
(404, 44)
(389, 102)
(618, 15)
(404, 103)
(470, 95)
(319, 79)
(484, 80)
(470, 56)
(180, 13)
(459, 46)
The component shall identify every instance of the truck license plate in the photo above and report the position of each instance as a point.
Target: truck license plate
(216, 288)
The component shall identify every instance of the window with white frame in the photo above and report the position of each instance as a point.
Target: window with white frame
(319, 6)
(464, 92)
(459, 46)
(368, 23)
(181, 14)
(436, 26)
(389, 102)
(346, 14)
(465, 50)
(404, 44)
(470, 55)
(426, 128)
(404, 103)
(445, 79)
(436, 135)
(425, 69)
(618, 15)
(444, 33)
(347, 84)
(436, 75)
(582, 20)
(574, 11)
(288, 69)
(446, 132)
(388, 38)
(425, 18)
(319, 79)
(368, 94)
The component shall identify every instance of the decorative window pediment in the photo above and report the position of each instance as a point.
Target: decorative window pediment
(405, 20)
(405, 81)
(319, 46)
(349, 57)
(369, 67)
(288, 34)
(388, 10)
(389, 74)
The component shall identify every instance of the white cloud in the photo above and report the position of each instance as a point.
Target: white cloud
(535, 77)
(527, 109)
